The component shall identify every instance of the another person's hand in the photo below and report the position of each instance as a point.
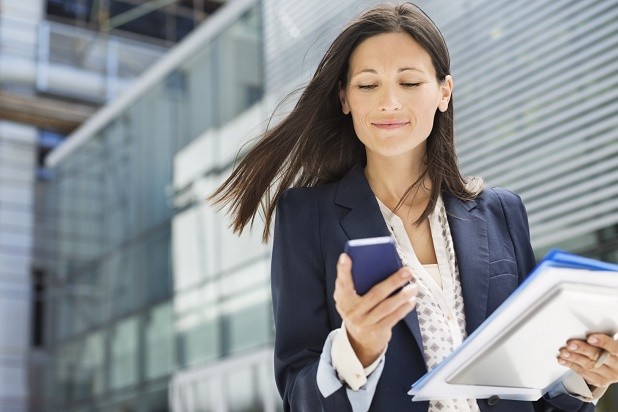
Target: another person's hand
(595, 359)
(370, 318)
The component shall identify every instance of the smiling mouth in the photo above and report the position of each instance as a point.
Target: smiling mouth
(395, 124)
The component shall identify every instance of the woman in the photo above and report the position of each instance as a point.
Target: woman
(369, 151)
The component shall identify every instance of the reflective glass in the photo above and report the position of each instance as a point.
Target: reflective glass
(199, 340)
(121, 289)
(159, 342)
(123, 352)
(112, 220)
(248, 327)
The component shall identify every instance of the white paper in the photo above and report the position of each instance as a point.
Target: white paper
(513, 354)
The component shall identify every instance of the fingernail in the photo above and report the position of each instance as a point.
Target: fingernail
(406, 273)
(562, 361)
(593, 340)
(342, 258)
(573, 346)
(565, 354)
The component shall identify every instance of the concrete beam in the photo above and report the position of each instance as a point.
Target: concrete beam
(44, 112)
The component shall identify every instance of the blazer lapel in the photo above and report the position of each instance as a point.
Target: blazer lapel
(469, 233)
(365, 220)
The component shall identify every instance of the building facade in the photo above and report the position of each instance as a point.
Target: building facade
(59, 61)
(52, 77)
(155, 305)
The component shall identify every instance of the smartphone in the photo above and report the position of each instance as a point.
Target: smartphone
(373, 260)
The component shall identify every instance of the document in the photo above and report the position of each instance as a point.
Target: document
(513, 353)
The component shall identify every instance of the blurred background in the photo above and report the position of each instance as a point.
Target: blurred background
(122, 290)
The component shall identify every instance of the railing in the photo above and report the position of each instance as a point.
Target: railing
(46, 46)
(243, 382)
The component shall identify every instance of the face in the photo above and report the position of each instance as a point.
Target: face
(392, 95)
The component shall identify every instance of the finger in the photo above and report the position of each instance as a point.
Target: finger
(345, 296)
(579, 359)
(583, 348)
(344, 273)
(608, 343)
(398, 314)
(606, 370)
(344, 293)
(393, 303)
(593, 377)
(385, 288)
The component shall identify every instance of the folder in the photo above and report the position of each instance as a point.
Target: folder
(513, 354)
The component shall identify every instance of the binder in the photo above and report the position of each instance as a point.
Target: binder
(513, 354)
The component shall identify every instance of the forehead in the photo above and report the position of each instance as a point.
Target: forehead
(387, 49)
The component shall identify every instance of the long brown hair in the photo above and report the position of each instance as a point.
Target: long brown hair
(316, 143)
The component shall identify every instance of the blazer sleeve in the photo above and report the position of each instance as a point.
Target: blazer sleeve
(298, 279)
(517, 222)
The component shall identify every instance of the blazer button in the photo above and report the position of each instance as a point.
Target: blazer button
(493, 400)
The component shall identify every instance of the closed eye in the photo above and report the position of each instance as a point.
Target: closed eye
(410, 85)
(367, 86)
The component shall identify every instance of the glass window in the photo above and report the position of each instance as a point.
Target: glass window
(123, 353)
(199, 334)
(159, 345)
(88, 373)
(62, 387)
(199, 109)
(239, 50)
(249, 327)
(121, 291)
(156, 270)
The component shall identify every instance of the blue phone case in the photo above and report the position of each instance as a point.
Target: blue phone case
(373, 260)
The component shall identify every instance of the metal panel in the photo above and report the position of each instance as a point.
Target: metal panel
(296, 35)
(536, 110)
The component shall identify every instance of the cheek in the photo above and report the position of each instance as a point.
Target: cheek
(427, 99)
(360, 128)
(358, 105)
(425, 109)
(359, 112)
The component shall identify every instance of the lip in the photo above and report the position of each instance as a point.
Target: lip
(390, 124)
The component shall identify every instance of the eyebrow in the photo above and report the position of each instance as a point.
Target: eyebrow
(403, 69)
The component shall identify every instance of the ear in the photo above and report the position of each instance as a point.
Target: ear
(446, 90)
(344, 101)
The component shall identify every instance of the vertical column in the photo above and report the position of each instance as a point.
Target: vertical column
(18, 145)
(18, 148)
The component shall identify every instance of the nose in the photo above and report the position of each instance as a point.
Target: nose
(389, 99)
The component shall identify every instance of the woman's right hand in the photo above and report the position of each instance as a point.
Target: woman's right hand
(370, 318)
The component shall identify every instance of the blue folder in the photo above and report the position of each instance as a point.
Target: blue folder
(513, 353)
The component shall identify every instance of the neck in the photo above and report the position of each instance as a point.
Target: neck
(391, 178)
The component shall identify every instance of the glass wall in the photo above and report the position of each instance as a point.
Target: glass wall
(111, 323)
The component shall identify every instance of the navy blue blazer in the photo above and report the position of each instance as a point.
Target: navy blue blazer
(312, 225)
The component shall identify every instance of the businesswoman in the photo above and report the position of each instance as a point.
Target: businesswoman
(368, 151)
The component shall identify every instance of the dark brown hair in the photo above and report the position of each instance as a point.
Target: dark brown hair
(316, 143)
